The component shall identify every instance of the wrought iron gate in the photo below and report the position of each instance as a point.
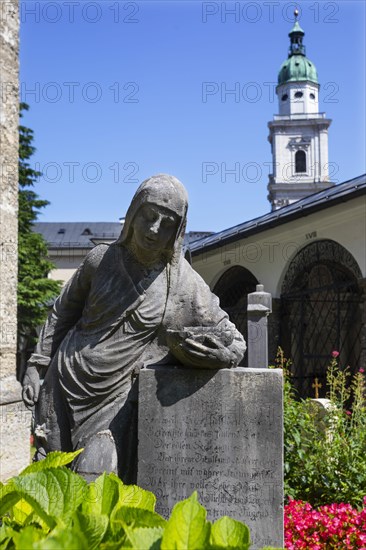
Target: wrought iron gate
(321, 312)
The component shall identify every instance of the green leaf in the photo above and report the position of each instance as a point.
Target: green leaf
(52, 460)
(62, 539)
(53, 493)
(9, 496)
(137, 517)
(93, 527)
(135, 497)
(112, 545)
(230, 533)
(187, 528)
(21, 511)
(26, 537)
(145, 538)
(101, 496)
(296, 436)
(7, 533)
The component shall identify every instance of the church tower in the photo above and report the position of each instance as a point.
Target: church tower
(299, 133)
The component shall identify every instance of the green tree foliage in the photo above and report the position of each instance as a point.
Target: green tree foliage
(50, 507)
(35, 290)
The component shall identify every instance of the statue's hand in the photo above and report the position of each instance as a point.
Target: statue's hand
(209, 354)
(31, 386)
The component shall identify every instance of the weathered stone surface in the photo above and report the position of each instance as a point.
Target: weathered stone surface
(259, 307)
(9, 138)
(217, 432)
(15, 421)
(134, 302)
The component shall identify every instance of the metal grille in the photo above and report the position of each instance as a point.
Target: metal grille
(321, 311)
(233, 288)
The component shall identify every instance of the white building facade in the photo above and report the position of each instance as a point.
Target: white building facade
(311, 256)
(299, 133)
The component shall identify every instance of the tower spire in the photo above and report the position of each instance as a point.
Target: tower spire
(296, 35)
(299, 133)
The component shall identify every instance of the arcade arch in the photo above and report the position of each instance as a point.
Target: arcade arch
(233, 288)
(321, 311)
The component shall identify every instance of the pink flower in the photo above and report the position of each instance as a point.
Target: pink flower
(331, 527)
(349, 413)
(361, 370)
(335, 354)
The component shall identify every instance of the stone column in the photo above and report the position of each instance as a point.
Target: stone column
(14, 419)
(259, 307)
(217, 432)
(274, 327)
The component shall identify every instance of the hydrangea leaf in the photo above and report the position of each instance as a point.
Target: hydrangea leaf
(27, 536)
(7, 533)
(21, 511)
(134, 496)
(137, 517)
(52, 460)
(145, 538)
(187, 527)
(230, 533)
(101, 496)
(9, 496)
(62, 539)
(93, 527)
(53, 493)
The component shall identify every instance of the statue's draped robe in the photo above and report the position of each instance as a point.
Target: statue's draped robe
(104, 326)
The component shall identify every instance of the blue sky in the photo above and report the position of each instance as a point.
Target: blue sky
(119, 91)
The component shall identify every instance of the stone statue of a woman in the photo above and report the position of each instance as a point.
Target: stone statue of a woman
(125, 307)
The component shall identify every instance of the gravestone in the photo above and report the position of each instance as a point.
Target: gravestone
(218, 432)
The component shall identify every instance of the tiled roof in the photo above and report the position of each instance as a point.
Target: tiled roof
(87, 234)
(77, 234)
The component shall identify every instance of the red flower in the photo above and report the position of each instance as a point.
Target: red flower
(335, 354)
(331, 527)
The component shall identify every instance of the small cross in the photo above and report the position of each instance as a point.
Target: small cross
(317, 387)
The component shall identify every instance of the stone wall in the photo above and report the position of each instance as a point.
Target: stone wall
(14, 419)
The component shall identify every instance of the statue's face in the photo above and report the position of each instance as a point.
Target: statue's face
(154, 227)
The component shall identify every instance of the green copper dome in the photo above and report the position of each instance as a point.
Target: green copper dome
(297, 66)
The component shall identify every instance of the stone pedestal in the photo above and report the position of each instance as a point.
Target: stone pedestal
(15, 453)
(259, 307)
(218, 432)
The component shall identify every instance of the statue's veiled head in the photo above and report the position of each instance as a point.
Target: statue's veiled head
(155, 221)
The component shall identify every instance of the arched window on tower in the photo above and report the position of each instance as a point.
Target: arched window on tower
(300, 161)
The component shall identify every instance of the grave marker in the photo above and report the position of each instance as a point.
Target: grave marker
(218, 432)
